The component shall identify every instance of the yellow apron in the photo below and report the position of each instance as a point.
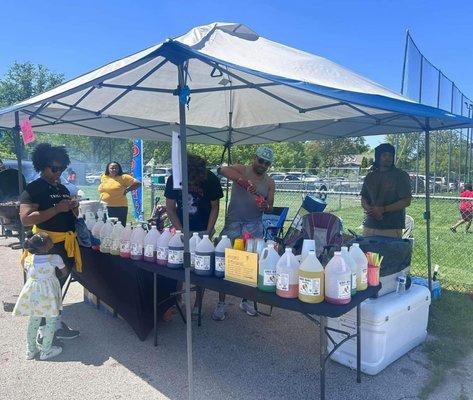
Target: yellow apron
(70, 244)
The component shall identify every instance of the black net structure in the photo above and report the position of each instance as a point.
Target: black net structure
(425, 83)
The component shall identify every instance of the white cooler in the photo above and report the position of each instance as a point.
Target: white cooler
(390, 326)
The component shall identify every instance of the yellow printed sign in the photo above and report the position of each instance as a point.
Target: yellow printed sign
(241, 267)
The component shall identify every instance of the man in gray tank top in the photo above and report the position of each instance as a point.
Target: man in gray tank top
(252, 195)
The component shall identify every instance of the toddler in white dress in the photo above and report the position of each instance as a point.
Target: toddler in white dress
(41, 295)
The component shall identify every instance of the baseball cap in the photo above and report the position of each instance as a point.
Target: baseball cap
(265, 153)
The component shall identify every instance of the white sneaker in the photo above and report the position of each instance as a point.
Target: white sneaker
(220, 312)
(248, 307)
(53, 352)
(31, 354)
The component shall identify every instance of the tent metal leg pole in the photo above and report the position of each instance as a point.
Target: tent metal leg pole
(228, 145)
(358, 343)
(417, 164)
(323, 350)
(185, 225)
(427, 206)
(19, 155)
(449, 163)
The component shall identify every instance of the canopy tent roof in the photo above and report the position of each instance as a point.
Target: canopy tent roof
(263, 90)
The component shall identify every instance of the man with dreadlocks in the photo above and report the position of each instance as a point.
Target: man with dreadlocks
(385, 195)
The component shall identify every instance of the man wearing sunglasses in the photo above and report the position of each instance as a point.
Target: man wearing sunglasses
(252, 195)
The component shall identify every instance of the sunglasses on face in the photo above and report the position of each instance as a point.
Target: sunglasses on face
(263, 162)
(54, 168)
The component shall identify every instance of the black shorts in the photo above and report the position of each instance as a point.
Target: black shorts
(118, 212)
(467, 215)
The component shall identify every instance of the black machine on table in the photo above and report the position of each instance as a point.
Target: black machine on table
(9, 201)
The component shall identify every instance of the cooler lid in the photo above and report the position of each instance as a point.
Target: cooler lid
(376, 311)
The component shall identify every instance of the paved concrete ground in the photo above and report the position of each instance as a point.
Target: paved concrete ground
(240, 358)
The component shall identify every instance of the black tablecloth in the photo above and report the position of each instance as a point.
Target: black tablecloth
(124, 287)
(127, 286)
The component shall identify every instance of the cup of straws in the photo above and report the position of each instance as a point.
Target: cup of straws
(374, 265)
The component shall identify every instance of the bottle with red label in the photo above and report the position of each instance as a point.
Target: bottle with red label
(125, 237)
(287, 275)
(149, 246)
(136, 243)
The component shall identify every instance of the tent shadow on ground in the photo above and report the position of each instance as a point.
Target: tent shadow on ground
(239, 358)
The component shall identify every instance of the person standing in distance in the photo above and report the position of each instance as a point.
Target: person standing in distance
(114, 185)
(385, 195)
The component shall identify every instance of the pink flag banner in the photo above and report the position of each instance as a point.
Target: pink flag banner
(27, 131)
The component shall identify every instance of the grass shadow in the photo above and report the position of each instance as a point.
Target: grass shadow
(451, 325)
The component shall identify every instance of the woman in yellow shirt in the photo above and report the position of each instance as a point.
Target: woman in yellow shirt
(114, 185)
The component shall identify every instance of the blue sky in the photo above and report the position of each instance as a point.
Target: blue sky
(73, 37)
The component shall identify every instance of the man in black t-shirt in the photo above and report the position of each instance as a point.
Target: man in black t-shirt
(205, 193)
(385, 195)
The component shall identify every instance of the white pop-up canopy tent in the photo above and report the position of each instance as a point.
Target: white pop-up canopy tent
(224, 84)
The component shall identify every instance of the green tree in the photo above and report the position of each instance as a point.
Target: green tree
(445, 149)
(332, 152)
(22, 81)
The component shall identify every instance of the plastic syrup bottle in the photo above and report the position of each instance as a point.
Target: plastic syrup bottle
(337, 280)
(96, 229)
(352, 264)
(287, 270)
(115, 239)
(193, 242)
(106, 236)
(204, 257)
(162, 246)
(136, 243)
(267, 268)
(176, 251)
(125, 237)
(361, 266)
(311, 279)
(149, 244)
(90, 220)
(101, 215)
(225, 243)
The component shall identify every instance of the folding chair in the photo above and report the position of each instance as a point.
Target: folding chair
(325, 228)
(273, 223)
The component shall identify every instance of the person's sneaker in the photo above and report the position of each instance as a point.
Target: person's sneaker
(66, 333)
(53, 352)
(248, 307)
(220, 312)
(454, 230)
(56, 341)
(31, 354)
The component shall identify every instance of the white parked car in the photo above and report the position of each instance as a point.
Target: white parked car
(93, 178)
